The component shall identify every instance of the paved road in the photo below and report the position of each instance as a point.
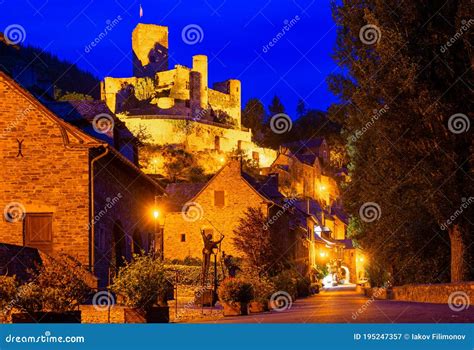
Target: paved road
(347, 306)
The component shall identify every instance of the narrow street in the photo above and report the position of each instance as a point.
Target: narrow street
(342, 305)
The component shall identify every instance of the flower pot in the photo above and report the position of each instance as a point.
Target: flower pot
(47, 317)
(256, 307)
(235, 308)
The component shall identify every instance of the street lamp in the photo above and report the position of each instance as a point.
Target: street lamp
(158, 233)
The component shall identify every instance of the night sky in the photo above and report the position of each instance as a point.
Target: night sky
(234, 34)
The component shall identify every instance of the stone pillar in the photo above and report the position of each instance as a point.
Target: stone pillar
(200, 65)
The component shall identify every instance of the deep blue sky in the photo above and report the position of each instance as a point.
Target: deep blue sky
(235, 32)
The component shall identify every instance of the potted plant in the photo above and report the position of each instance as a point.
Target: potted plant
(235, 295)
(142, 285)
(53, 294)
(263, 289)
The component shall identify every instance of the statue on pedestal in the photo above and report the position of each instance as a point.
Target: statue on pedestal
(209, 245)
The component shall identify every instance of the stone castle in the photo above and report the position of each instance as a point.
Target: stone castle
(177, 106)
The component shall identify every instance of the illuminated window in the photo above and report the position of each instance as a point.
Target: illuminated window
(219, 198)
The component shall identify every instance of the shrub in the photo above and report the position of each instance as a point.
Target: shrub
(142, 283)
(263, 287)
(59, 285)
(303, 286)
(234, 290)
(286, 281)
(8, 290)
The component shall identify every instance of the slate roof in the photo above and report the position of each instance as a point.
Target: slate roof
(82, 113)
(267, 187)
(180, 193)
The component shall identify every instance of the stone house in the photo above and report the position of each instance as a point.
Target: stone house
(63, 190)
(216, 206)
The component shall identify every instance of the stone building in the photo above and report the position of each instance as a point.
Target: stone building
(177, 106)
(302, 167)
(215, 207)
(63, 190)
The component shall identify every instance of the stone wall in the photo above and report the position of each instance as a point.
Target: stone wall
(432, 293)
(47, 178)
(198, 136)
(114, 314)
(425, 293)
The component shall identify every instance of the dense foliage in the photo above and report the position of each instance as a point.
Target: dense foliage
(398, 100)
(142, 283)
(235, 290)
(59, 285)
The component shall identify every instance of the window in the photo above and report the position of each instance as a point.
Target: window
(187, 85)
(239, 145)
(38, 230)
(183, 237)
(219, 198)
(217, 143)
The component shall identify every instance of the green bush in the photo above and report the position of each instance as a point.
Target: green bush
(286, 281)
(58, 285)
(263, 287)
(8, 290)
(235, 290)
(303, 286)
(142, 283)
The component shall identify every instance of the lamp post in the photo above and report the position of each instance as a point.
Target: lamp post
(157, 233)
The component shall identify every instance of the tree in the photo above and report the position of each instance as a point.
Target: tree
(300, 108)
(408, 159)
(276, 106)
(255, 239)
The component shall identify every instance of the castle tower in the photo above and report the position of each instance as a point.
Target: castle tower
(200, 65)
(150, 49)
